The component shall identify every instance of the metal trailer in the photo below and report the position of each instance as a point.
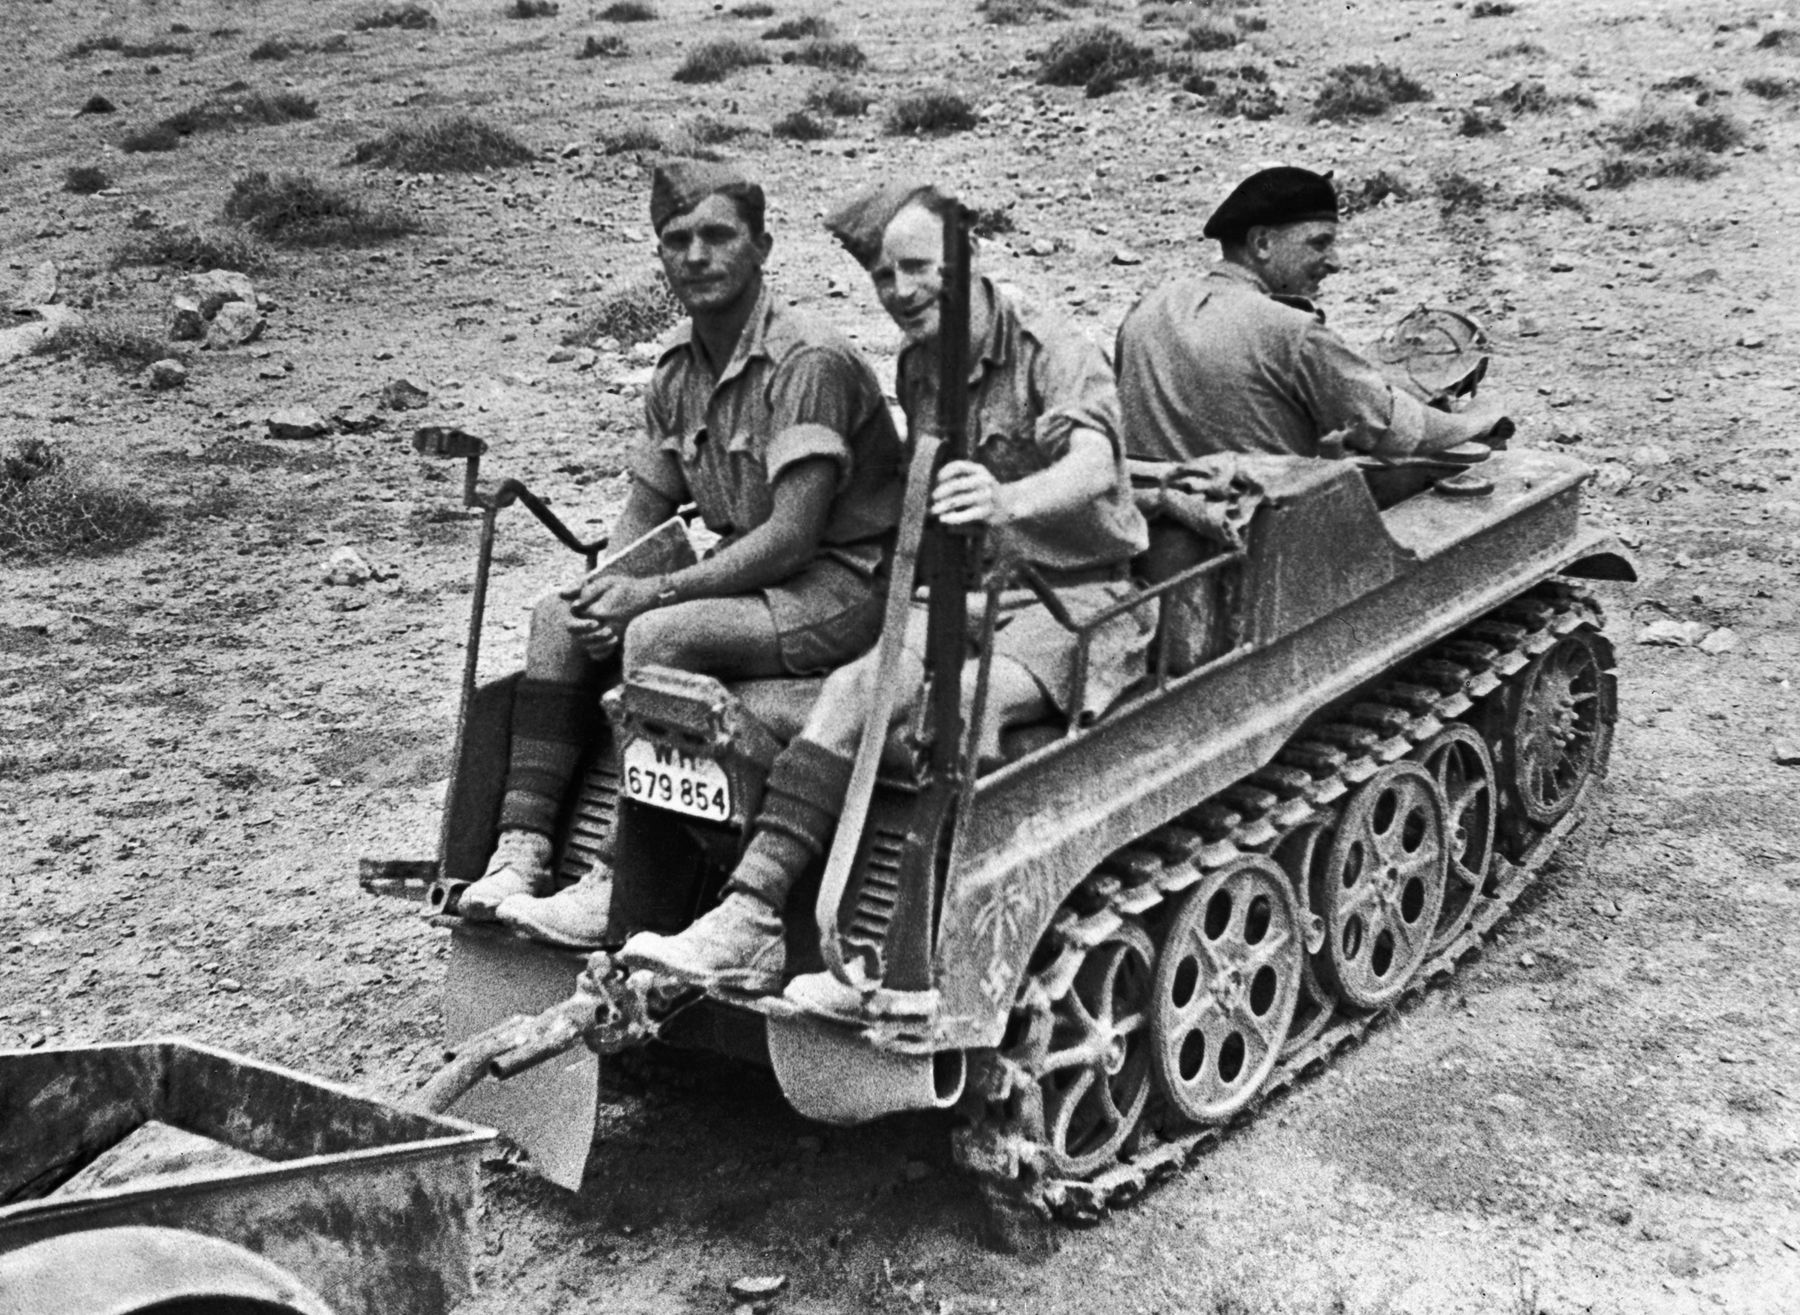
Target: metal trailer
(327, 1202)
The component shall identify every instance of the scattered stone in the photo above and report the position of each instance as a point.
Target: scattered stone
(230, 986)
(215, 288)
(39, 289)
(1650, 454)
(562, 356)
(754, 1289)
(186, 323)
(142, 218)
(1607, 907)
(1041, 246)
(1722, 640)
(570, 151)
(1751, 340)
(236, 323)
(1670, 633)
(297, 422)
(1786, 753)
(167, 373)
(404, 395)
(347, 567)
(586, 358)
(97, 104)
(266, 303)
(358, 420)
(1561, 265)
(1528, 960)
(1126, 256)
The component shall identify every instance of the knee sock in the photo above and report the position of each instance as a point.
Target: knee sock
(800, 806)
(553, 722)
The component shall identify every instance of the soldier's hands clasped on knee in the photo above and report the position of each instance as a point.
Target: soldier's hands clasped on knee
(599, 608)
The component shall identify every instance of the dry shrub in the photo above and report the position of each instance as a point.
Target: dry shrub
(276, 48)
(714, 61)
(800, 126)
(188, 247)
(1479, 123)
(50, 507)
(86, 179)
(1459, 194)
(1016, 13)
(710, 131)
(630, 315)
(531, 9)
(629, 11)
(633, 137)
(1097, 57)
(841, 100)
(757, 10)
(415, 18)
(1359, 194)
(1531, 96)
(799, 29)
(1361, 91)
(610, 46)
(833, 56)
(1491, 9)
(461, 143)
(931, 113)
(1770, 88)
(299, 210)
(232, 109)
(1777, 38)
(1554, 198)
(1521, 50)
(103, 341)
(112, 43)
(1210, 34)
(1654, 127)
(159, 137)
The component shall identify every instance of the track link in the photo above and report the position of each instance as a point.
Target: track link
(1455, 680)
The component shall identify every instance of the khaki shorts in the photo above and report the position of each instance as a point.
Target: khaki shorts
(1025, 631)
(826, 615)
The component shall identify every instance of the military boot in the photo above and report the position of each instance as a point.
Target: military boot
(520, 866)
(739, 946)
(575, 917)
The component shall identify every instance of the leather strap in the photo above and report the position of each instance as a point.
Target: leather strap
(854, 973)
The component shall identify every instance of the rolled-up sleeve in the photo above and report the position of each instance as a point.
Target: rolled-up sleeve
(1076, 386)
(814, 397)
(1347, 393)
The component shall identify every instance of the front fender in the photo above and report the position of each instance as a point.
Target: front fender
(121, 1271)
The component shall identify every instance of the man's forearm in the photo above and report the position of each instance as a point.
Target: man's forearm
(766, 556)
(1084, 473)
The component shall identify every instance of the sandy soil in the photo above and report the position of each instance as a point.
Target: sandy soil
(199, 736)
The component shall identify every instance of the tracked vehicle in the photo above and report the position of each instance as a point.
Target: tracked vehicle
(1379, 695)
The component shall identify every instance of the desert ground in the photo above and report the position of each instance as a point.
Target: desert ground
(201, 734)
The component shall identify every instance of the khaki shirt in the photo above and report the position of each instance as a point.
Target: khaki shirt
(793, 390)
(1035, 381)
(1217, 364)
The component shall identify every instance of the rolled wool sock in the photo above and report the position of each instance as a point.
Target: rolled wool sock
(801, 802)
(553, 723)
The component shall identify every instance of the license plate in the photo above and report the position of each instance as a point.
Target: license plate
(664, 777)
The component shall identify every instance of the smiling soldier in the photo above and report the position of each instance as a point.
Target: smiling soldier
(1239, 359)
(775, 428)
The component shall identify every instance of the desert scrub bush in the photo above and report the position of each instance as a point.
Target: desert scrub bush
(223, 110)
(1530, 96)
(629, 11)
(1097, 57)
(1668, 127)
(610, 46)
(50, 507)
(799, 29)
(841, 100)
(297, 209)
(707, 130)
(158, 137)
(275, 48)
(461, 143)
(1479, 123)
(85, 179)
(1365, 193)
(833, 56)
(103, 340)
(414, 17)
(187, 247)
(714, 61)
(1491, 9)
(1210, 34)
(799, 126)
(632, 137)
(1016, 13)
(1361, 91)
(113, 43)
(753, 11)
(1777, 38)
(1520, 50)
(1770, 88)
(1553, 198)
(931, 113)
(1458, 193)
(531, 9)
(628, 316)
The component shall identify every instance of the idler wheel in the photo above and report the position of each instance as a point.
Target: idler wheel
(1459, 761)
(1094, 1077)
(1382, 889)
(1300, 854)
(1226, 987)
(1561, 730)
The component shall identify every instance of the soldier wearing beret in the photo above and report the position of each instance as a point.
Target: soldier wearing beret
(1239, 359)
(1048, 482)
(775, 428)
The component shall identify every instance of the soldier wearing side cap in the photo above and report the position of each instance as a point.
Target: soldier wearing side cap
(774, 426)
(1049, 484)
(1239, 359)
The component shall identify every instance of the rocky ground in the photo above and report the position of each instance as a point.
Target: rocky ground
(200, 735)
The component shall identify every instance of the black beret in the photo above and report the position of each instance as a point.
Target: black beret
(677, 186)
(1284, 195)
(862, 220)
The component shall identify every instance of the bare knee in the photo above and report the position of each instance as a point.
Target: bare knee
(551, 649)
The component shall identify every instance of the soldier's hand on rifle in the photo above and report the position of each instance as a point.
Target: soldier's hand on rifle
(967, 493)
